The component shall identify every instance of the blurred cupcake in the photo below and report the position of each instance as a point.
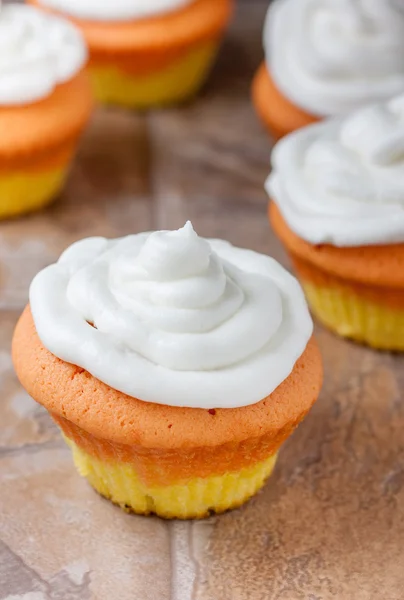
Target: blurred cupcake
(175, 367)
(45, 102)
(148, 52)
(338, 206)
(327, 58)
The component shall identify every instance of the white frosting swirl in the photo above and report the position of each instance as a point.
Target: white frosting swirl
(342, 181)
(115, 10)
(37, 52)
(177, 319)
(330, 57)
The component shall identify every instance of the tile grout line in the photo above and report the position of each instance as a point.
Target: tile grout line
(183, 569)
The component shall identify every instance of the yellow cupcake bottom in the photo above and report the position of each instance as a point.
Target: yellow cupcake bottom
(355, 317)
(22, 192)
(195, 499)
(175, 83)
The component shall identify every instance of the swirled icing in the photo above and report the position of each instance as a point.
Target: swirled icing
(342, 181)
(330, 57)
(37, 52)
(172, 318)
(116, 10)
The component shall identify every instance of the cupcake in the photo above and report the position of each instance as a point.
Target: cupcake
(327, 58)
(147, 53)
(338, 206)
(45, 102)
(175, 367)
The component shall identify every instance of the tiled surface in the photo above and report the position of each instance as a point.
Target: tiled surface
(330, 523)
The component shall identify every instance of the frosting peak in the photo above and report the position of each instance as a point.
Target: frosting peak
(168, 255)
(332, 56)
(173, 318)
(37, 52)
(342, 181)
(115, 10)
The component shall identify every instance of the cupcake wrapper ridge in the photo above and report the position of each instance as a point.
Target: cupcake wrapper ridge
(194, 499)
(346, 313)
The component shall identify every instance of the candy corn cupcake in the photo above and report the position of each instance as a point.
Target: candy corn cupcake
(147, 53)
(338, 206)
(327, 58)
(175, 367)
(45, 102)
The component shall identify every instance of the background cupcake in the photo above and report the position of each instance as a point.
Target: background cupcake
(148, 53)
(338, 206)
(45, 102)
(327, 58)
(175, 367)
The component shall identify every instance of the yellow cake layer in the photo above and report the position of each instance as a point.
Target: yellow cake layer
(352, 316)
(176, 82)
(197, 498)
(22, 192)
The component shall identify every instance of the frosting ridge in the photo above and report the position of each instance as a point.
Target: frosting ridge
(332, 56)
(342, 181)
(172, 318)
(37, 52)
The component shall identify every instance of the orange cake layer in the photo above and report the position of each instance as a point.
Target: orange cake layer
(379, 266)
(389, 297)
(277, 112)
(159, 467)
(95, 415)
(199, 21)
(55, 157)
(142, 63)
(47, 127)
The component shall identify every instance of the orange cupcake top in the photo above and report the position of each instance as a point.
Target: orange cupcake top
(375, 265)
(45, 98)
(339, 190)
(279, 114)
(42, 126)
(72, 393)
(168, 330)
(200, 20)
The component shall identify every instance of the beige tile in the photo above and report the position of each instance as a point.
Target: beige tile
(330, 523)
(23, 422)
(58, 537)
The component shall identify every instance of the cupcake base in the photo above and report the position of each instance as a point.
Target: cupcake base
(194, 499)
(177, 462)
(22, 192)
(179, 80)
(38, 143)
(358, 318)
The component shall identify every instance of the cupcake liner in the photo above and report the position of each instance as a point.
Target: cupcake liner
(350, 315)
(161, 466)
(196, 498)
(22, 192)
(179, 80)
(368, 308)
